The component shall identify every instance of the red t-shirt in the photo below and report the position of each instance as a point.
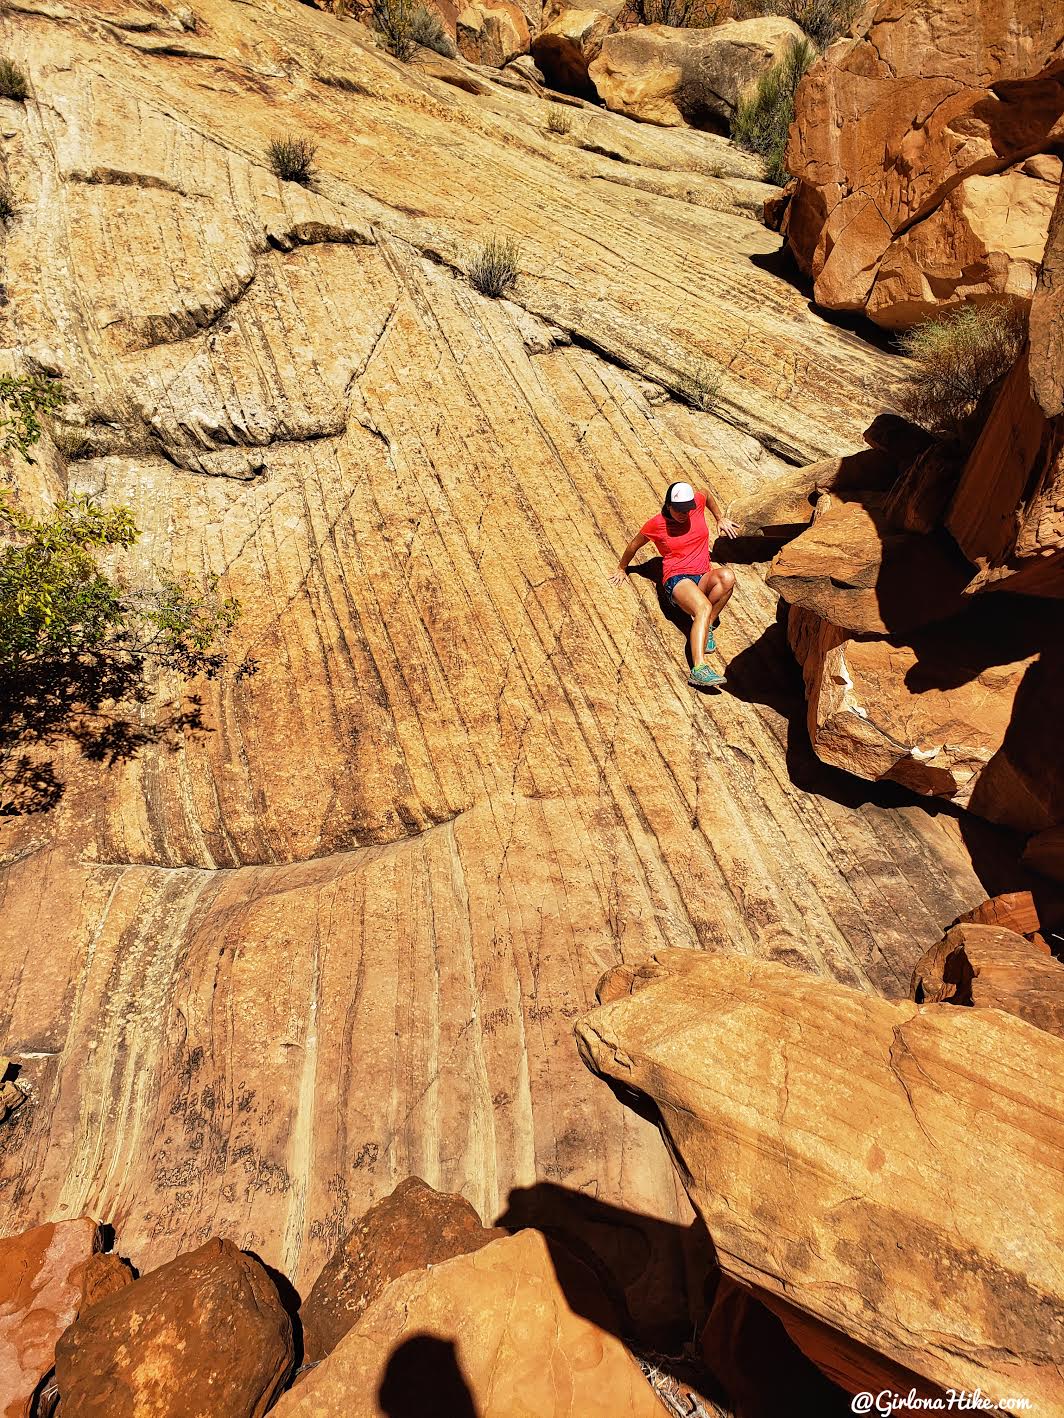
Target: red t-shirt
(684, 546)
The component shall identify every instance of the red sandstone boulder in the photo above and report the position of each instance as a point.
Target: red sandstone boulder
(991, 968)
(911, 148)
(412, 1228)
(1045, 853)
(42, 1288)
(1047, 320)
(492, 32)
(783, 506)
(201, 1337)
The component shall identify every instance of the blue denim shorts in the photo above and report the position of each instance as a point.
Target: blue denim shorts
(673, 581)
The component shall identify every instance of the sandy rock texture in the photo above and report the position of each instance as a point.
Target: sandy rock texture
(274, 941)
(902, 1251)
(202, 1336)
(660, 74)
(513, 1328)
(926, 152)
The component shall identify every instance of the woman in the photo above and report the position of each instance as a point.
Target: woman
(688, 578)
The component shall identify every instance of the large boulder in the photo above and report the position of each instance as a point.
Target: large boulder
(782, 507)
(514, 1328)
(911, 147)
(987, 967)
(826, 1137)
(492, 32)
(42, 1288)
(660, 74)
(412, 1228)
(565, 47)
(854, 569)
(202, 1336)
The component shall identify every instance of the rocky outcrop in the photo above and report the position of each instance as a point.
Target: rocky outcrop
(492, 32)
(924, 153)
(413, 1228)
(988, 967)
(11, 1095)
(565, 47)
(783, 507)
(201, 1337)
(825, 1138)
(659, 74)
(42, 1288)
(513, 1328)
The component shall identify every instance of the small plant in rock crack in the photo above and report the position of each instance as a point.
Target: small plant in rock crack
(493, 269)
(7, 203)
(702, 388)
(955, 360)
(292, 159)
(13, 82)
(559, 121)
(71, 441)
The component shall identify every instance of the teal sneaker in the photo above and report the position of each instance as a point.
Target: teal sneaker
(711, 641)
(704, 677)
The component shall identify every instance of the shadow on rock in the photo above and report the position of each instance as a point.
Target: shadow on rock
(424, 1380)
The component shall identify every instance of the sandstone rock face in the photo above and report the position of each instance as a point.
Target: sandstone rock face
(991, 968)
(11, 1095)
(492, 32)
(564, 48)
(853, 569)
(42, 1287)
(201, 1336)
(1045, 852)
(333, 931)
(1047, 320)
(668, 76)
(911, 148)
(761, 1074)
(783, 507)
(413, 1228)
(513, 1328)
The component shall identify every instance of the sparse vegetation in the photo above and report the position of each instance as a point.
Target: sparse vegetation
(71, 441)
(426, 29)
(7, 203)
(955, 360)
(13, 82)
(394, 19)
(702, 388)
(683, 14)
(493, 269)
(559, 120)
(24, 398)
(292, 159)
(823, 20)
(763, 119)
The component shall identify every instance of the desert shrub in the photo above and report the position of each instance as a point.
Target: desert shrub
(493, 269)
(683, 14)
(823, 20)
(7, 202)
(71, 441)
(558, 120)
(13, 81)
(394, 20)
(955, 360)
(426, 29)
(292, 159)
(702, 388)
(764, 117)
(24, 398)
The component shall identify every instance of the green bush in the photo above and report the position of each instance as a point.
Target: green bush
(823, 20)
(292, 159)
(426, 29)
(763, 118)
(494, 267)
(955, 360)
(13, 82)
(395, 19)
(23, 399)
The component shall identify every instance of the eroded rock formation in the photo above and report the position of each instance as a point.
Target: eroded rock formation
(927, 156)
(826, 1139)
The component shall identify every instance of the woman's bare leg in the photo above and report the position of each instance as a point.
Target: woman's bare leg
(717, 586)
(690, 599)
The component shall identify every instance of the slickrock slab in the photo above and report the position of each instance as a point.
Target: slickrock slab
(826, 1138)
(991, 968)
(411, 1229)
(466, 778)
(910, 146)
(42, 1287)
(513, 1328)
(202, 1336)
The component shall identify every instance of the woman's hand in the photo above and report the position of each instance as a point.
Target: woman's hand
(619, 576)
(727, 527)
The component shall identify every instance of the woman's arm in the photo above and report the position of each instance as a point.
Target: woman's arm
(727, 527)
(630, 550)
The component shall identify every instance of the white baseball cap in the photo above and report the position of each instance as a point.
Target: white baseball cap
(682, 497)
